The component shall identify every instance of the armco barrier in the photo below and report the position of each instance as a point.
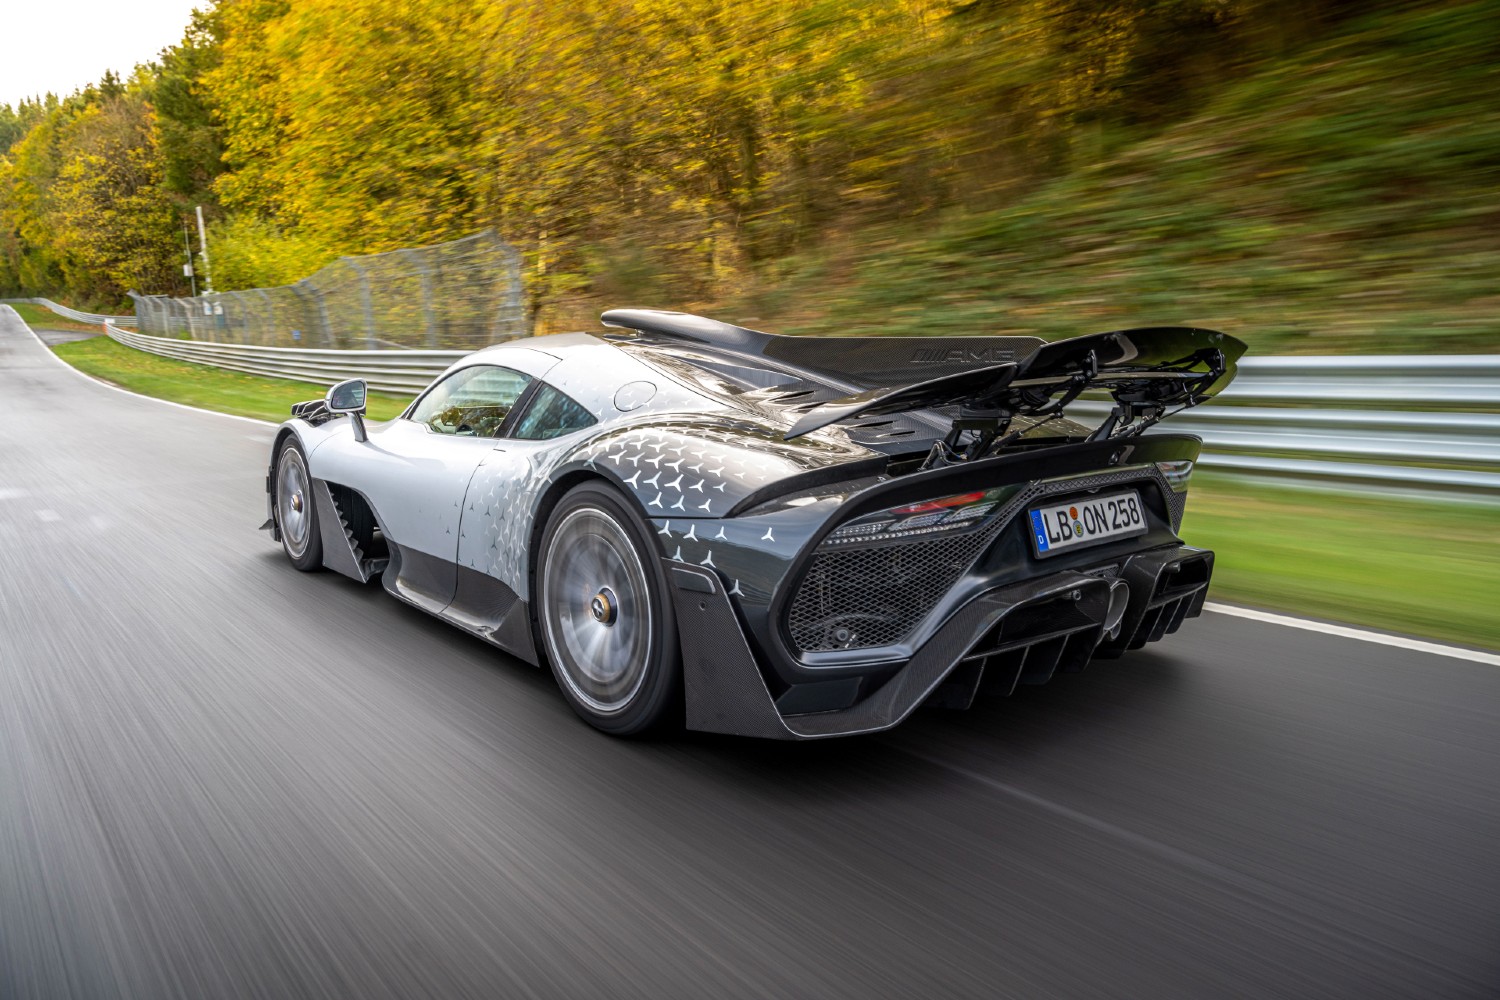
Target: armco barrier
(1360, 421)
(388, 371)
(73, 314)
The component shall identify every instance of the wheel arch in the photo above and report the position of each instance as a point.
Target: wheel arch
(629, 506)
(282, 433)
(549, 499)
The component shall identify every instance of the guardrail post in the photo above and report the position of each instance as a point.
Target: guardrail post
(516, 303)
(137, 301)
(270, 328)
(424, 274)
(244, 317)
(325, 325)
(366, 298)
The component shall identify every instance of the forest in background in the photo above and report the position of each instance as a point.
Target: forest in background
(1309, 174)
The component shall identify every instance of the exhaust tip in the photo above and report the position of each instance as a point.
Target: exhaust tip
(1119, 600)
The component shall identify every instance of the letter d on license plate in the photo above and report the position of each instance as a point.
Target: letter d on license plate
(1083, 522)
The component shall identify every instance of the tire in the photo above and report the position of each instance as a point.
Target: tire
(296, 513)
(603, 613)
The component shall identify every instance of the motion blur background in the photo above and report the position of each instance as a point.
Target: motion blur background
(1313, 175)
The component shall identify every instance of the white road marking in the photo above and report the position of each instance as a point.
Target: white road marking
(165, 402)
(10, 493)
(48, 515)
(1345, 632)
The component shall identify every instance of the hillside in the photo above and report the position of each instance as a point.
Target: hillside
(1345, 198)
(1312, 175)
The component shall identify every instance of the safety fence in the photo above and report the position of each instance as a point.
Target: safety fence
(458, 295)
(1418, 422)
(75, 315)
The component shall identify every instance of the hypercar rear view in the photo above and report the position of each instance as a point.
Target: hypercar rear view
(785, 537)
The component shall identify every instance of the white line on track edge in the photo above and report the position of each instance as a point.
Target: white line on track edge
(1345, 632)
(139, 395)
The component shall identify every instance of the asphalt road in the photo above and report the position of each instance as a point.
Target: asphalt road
(55, 337)
(223, 778)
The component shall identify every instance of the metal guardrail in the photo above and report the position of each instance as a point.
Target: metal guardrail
(388, 371)
(1323, 418)
(73, 314)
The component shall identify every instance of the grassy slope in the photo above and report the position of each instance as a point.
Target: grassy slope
(42, 318)
(1397, 564)
(199, 385)
(1346, 198)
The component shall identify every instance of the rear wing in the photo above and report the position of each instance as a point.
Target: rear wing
(1147, 372)
(850, 364)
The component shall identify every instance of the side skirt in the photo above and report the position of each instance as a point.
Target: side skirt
(488, 608)
(482, 606)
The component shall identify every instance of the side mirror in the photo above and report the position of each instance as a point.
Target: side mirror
(349, 397)
(346, 397)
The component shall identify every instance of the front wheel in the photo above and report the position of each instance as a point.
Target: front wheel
(296, 514)
(606, 623)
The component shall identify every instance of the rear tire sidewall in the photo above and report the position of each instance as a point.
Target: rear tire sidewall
(653, 702)
(311, 557)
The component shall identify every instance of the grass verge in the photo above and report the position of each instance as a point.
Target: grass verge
(1400, 564)
(42, 318)
(200, 385)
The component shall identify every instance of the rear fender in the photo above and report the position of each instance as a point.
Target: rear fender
(706, 467)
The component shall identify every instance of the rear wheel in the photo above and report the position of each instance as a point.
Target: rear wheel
(296, 514)
(606, 624)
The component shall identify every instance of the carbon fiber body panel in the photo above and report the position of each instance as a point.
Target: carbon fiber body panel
(1055, 623)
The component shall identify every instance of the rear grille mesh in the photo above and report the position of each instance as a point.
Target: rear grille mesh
(854, 598)
(862, 596)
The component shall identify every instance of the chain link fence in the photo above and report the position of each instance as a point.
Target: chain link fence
(461, 295)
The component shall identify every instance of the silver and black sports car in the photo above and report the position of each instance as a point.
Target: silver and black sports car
(785, 537)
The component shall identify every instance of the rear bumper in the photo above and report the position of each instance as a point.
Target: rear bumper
(1022, 633)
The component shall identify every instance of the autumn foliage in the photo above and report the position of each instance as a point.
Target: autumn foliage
(654, 151)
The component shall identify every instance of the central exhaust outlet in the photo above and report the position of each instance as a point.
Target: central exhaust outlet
(1119, 600)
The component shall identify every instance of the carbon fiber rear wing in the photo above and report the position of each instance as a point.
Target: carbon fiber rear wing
(1147, 372)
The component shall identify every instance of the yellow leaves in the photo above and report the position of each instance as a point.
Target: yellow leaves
(623, 129)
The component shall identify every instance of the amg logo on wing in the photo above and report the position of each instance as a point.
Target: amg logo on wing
(962, 356)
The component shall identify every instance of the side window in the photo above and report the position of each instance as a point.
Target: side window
(472, 401)
(550, 415)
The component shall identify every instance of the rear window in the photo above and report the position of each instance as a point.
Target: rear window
(551, 414)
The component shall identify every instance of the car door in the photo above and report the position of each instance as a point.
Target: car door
(414, 471)
(500, 504)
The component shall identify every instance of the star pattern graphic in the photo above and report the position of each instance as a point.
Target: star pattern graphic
(677, 458)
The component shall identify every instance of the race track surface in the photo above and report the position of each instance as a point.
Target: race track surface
(223, 778)
(54, 337)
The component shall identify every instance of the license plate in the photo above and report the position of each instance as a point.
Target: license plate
(1078, 523)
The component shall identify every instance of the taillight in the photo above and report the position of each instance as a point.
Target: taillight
(947, 503)
(1177, 474)
(960, 512)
